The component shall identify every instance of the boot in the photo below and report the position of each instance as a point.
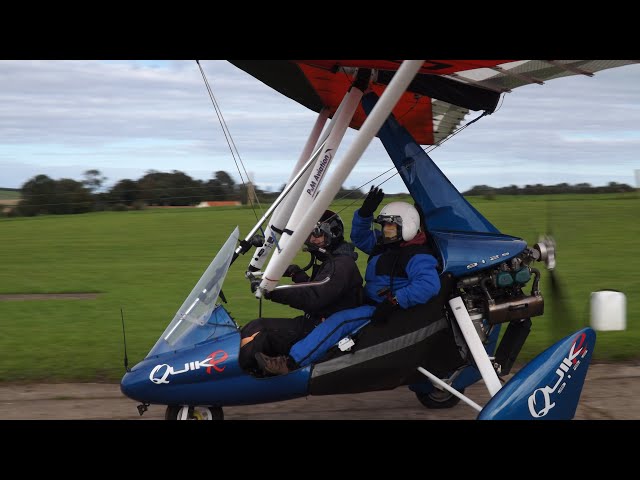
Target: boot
(279, 365)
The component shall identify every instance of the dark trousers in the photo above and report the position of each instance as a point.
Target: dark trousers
(275, 336)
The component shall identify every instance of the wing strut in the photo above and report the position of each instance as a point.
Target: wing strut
(245, 244)
(310, 189)
(282, 214)
(283, 211)
(307, 213)
(476, 347)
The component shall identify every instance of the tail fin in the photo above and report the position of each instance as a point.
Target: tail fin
(549, 386)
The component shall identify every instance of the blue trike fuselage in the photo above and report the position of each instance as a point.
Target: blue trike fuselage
(208, 374)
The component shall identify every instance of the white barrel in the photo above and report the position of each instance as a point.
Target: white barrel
(608, 310)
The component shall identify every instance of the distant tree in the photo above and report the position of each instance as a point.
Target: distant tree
(153, 187)
(213, 190)
(539, 189)
(225, 179)
(42, 195)
(351, 193)
(479, 190)
(227, 185)
(583, 188)
(185, 190)
(175, 188)
(125, 192)
(37, 194)
(615, 187)
(93, 180)
(71, 197)
(156, 188)
(510, 190)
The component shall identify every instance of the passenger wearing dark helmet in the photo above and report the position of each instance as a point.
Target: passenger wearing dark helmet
(401, 273)
(334, 258)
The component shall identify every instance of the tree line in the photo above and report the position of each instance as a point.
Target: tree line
(539, 189)
(44, 195)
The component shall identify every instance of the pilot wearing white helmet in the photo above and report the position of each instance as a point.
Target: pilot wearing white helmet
(401, 273)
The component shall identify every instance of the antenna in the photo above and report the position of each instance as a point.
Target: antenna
(126, 361)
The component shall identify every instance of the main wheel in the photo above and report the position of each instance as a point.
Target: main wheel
(438, 398)
(180, 412)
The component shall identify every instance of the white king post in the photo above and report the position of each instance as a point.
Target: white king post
(309, 209)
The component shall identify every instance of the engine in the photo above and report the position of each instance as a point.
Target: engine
(497, 295)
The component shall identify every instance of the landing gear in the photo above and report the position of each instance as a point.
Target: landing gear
(438, 398)
(184, 412)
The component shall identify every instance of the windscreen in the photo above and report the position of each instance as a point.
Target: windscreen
(196, 320)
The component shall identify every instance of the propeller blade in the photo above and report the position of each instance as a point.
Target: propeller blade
(563, 319)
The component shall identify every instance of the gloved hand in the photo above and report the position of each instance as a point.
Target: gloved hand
(374, 197)
(254, 286)
(292, 270)
(382, 311)
(296, 273)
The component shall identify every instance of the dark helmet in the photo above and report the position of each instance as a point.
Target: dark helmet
(330, 225)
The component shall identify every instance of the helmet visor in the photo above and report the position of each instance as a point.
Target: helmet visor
(391, 228)
(320, 230)
(381, 219)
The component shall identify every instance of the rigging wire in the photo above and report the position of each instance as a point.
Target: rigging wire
(204, 187)
(433, 147)
(230, 142)
(361, 186)
(232, 146)
(436, 145)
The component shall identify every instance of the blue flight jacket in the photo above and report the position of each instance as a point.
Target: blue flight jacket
(411, 274)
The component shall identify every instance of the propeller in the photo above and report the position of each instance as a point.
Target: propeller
(563, 319)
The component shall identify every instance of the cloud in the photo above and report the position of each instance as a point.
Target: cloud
(124, 118)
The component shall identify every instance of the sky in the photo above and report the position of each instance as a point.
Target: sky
(124, 118)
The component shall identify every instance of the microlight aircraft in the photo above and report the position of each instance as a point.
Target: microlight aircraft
(489, 278)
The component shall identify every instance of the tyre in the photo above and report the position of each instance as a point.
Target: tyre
(180, 412)
(438, 398)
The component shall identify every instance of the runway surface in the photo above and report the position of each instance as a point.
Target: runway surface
(611, 392)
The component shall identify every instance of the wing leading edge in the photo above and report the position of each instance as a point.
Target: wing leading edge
(436, 102)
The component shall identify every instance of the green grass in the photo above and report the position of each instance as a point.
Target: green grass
(147, 262)
(9, 194)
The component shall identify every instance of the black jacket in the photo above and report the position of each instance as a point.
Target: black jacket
(343, 291)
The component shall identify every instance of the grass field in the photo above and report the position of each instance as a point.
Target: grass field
(9, 195)
(146, 262)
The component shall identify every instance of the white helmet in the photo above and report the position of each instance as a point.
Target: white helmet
(402, 214)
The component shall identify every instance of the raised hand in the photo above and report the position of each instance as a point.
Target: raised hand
(374, 197)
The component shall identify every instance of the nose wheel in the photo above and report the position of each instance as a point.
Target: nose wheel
(438, 399)
(186, 412)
